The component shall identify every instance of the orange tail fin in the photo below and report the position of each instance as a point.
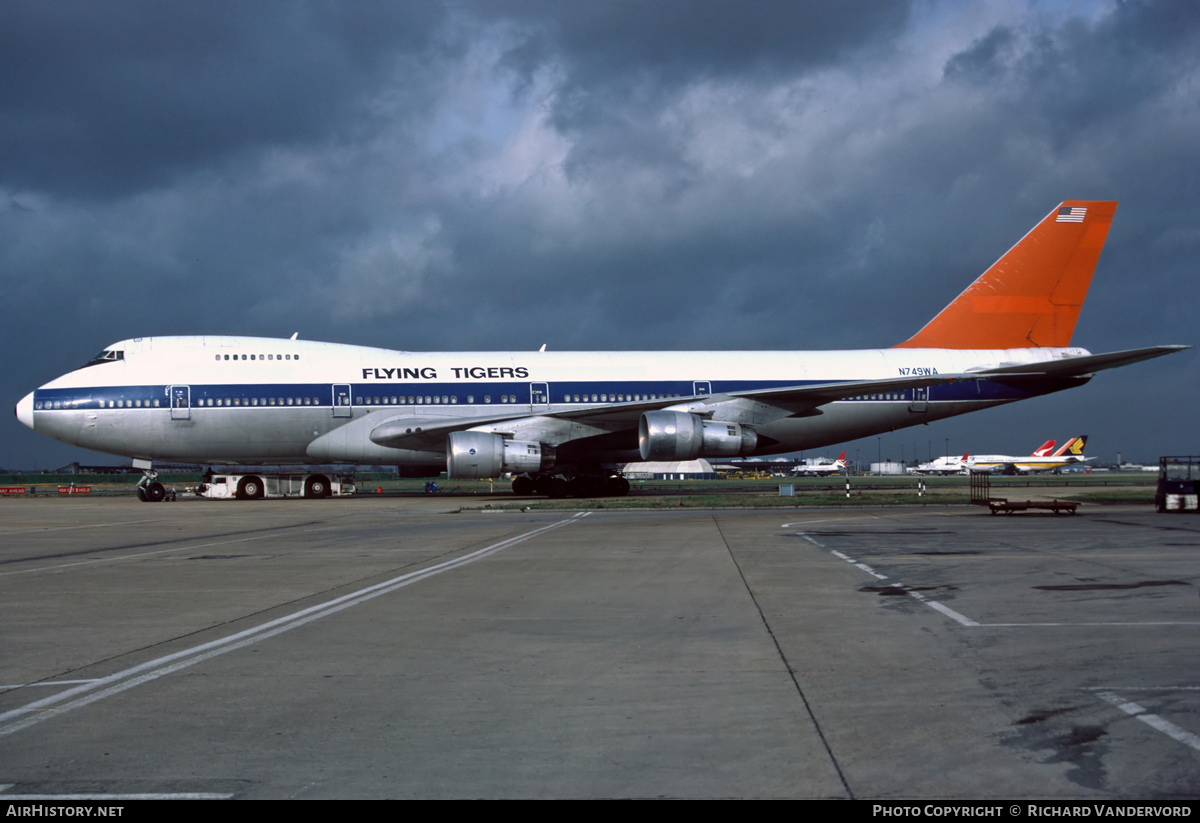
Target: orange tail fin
(1032, 295)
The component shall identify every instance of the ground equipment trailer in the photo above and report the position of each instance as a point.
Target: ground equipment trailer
(981, 495)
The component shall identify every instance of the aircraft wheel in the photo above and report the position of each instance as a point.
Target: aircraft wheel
(141, 494)
(155, 493)
(617, 486)
(522, 485)
(317, 486)
(556, 487)
(251, 488)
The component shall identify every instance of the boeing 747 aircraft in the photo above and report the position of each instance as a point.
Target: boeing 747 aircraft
(1040, 461)
(561, 422)
(948, 464)
(822, 469)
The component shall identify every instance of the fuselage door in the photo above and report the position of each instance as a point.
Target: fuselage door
(539, 395)
(702, 387)
(181, 402)
(920, 400)
(341, 400)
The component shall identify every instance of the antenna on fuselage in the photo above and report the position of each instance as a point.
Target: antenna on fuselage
(543, 348)
(295, 334)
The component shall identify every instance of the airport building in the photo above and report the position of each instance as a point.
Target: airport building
(675, 470)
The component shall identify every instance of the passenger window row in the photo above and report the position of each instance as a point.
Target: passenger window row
(257, 401)
(614, 398)
(104, 404)
(428, 399)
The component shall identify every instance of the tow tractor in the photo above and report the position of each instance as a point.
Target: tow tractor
(1178, 478)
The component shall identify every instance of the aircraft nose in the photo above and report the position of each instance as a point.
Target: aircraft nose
(25, 410)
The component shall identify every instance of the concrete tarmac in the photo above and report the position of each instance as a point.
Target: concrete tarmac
(391, 648)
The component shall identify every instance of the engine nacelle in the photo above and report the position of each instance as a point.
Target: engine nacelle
(481, 454)
(675, 435)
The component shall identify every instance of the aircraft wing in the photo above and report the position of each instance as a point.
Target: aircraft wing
(398, 430)
(412, 432)
(807, 397)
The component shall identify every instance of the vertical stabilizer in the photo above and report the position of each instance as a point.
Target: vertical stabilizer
(1044, 449)
(1032, 295)
(1073, 447)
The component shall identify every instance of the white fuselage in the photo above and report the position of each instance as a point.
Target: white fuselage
(265, 401)
(949, 464)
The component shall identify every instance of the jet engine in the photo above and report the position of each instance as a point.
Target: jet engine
(481, 454)
(675, 435)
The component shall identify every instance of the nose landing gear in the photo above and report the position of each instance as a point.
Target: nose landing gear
(149, 490)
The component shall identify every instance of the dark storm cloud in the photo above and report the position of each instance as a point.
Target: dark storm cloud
(984, 60)
(622, 62)
(680, 41)
(104, 98)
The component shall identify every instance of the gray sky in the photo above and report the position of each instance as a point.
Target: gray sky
(604, 175)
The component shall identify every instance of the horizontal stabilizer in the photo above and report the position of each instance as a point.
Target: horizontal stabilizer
(1077, 366)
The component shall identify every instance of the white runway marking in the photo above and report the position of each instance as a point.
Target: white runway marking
(966, 621)
(871, 571)
(102, 797)
(154, 669)
(810, 522)
(1152, 720)
(944, 609)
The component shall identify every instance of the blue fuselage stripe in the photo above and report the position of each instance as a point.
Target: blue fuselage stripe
(561, 393)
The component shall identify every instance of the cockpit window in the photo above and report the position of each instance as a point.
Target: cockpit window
(106, 356)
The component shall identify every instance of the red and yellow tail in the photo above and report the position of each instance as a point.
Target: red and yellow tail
(1032, 295)
(1074, 446)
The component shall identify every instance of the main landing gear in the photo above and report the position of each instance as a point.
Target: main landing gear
(579, 486)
